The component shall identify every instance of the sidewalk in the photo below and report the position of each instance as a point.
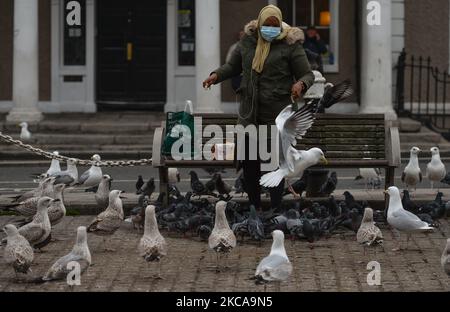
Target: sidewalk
(336, 264)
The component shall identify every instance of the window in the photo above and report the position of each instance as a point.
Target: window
(324, 16)
(186, 32)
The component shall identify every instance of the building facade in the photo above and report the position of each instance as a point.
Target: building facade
(77, 56)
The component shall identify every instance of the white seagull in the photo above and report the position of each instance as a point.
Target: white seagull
(222, 239)
(435, 168)
(68, 176)
(292, 125)
(411, 174)
(152, 246)
(93, 175)
(401, 219)
(80, 253)
(276, 267)
(25, 134)
(54, 165)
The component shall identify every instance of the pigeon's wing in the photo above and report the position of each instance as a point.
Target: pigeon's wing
(83, 177)
(291, 126)
(336, 94)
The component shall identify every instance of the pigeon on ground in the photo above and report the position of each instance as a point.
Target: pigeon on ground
(222, 239)
(198, 188)
(92, 176)
(38, 231)
(293, 125)
(371, 176)
(330, 185)
(412, 175)
(139, 183)
(109, 221)
(408, 204)
(152, 246)
(239, 184)
(68, 176)
(103, 190)
(18, 252)
(25, 134)
(445, 258)
(334, 94)
(401, 219)
(255, 227)
(137, 214)
(435, 168)
(351, 202)
(80, 253)
(148, 188)
(211, 184)
(276, 267)
(368, 233)
(446, 179)
(221, 186)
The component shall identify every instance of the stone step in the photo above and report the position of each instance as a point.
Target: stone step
(88, 140)
(425, 135)
(409, 125)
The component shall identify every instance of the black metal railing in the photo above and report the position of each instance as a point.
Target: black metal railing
(421, 92)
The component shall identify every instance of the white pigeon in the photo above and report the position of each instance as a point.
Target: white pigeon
(152, 246)
(18, 252)
(54, 166)
(292, 125)
(222, 239)
(68, 176)
(25, 134)
(276, 267)
(401, 219)
(80, 253)
(93, 175)
(412, 175)
(445, 258)
(368, 233)
(435, 168)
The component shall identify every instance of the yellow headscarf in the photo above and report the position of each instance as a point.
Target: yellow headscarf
(263, 46)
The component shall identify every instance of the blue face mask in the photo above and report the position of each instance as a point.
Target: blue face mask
(269, 32)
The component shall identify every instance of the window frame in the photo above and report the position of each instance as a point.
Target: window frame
(333, 28)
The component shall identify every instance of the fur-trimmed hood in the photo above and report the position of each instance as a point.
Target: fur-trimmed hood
(294, 33)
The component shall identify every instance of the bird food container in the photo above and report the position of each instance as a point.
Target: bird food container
(224, 151)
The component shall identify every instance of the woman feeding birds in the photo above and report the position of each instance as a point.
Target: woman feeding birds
(274, 68)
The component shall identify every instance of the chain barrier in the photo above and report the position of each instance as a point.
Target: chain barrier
(82, 162)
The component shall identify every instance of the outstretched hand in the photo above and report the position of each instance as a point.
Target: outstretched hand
(210, 80)
(297, 89)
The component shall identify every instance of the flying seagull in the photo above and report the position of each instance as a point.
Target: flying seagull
(401, 219)
(292, 125)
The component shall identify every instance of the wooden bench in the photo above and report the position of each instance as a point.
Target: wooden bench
(348, 141)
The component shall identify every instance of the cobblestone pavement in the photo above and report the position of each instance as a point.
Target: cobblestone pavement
(334, 264)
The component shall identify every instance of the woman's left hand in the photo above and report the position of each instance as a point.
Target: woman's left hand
(297, 89)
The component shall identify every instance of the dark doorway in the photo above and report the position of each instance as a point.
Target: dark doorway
(131, 53)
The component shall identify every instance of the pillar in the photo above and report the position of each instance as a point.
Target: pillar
(25, 63)
(207, 54)
(376, 60)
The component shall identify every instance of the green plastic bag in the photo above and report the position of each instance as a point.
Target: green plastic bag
(175, 121)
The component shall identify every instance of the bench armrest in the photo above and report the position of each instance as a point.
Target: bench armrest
(158, 139)
(393, 147)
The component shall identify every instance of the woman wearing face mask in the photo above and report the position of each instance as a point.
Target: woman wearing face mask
(274, 67)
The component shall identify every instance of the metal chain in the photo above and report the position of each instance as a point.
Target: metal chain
(82, 162)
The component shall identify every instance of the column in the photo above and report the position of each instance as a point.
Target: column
(207, 54)
(376, 61)
(25, 63)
